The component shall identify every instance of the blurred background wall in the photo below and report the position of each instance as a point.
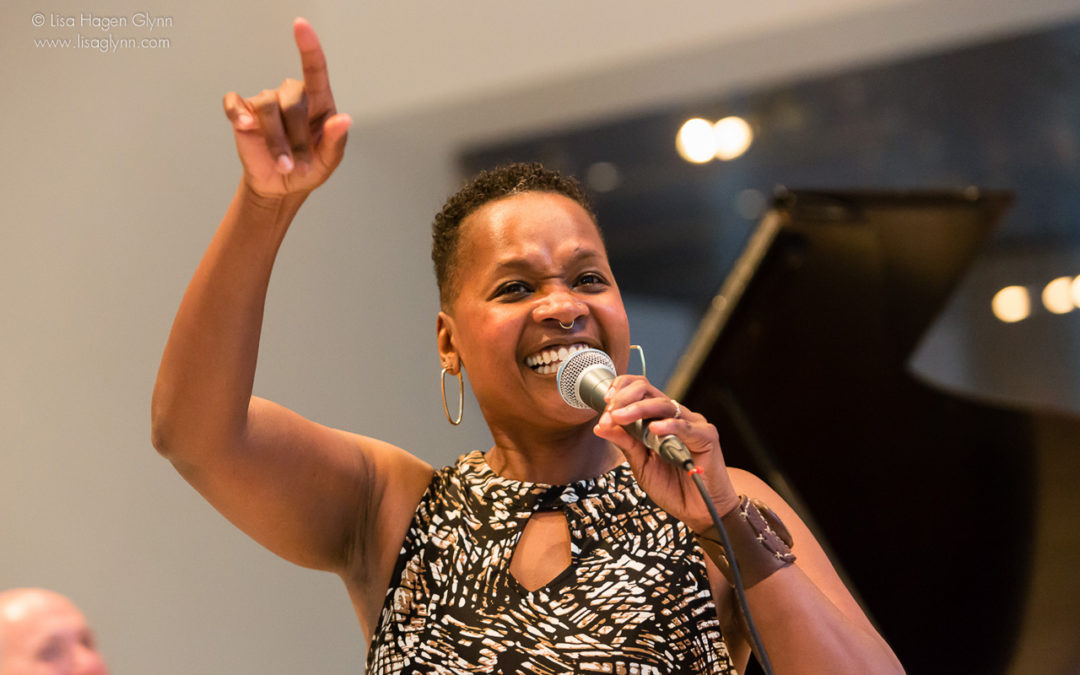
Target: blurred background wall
(120, 164)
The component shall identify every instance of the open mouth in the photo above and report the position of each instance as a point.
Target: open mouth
(547, 361)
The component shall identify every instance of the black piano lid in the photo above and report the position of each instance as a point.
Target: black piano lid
(802, 363)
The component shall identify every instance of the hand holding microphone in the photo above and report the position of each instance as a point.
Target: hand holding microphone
(587, 379)
(583, 380)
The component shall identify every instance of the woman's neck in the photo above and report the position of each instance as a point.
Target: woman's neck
(557, 458)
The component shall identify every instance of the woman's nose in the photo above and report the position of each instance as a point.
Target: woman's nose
(560, 306)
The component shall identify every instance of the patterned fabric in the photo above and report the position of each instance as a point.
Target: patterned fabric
(635, 598)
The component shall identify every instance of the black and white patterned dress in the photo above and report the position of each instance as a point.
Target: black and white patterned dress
(635, 598)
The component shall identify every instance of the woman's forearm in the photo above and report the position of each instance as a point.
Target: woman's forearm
(804, 632)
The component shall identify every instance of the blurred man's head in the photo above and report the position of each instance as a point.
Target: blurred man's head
(43, 633)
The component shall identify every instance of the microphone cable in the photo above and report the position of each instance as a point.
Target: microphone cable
(756, 646)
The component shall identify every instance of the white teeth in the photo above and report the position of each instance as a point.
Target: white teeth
(547, 361)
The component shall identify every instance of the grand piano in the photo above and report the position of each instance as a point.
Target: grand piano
(925, 499)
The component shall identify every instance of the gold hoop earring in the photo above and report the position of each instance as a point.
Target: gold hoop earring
(461, 397)
(641, 353)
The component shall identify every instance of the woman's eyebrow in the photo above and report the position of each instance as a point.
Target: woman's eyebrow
(523, 263)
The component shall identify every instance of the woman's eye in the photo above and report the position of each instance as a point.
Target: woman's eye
(511, 289)
(591, 279)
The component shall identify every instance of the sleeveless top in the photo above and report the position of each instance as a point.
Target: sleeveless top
(635, 598)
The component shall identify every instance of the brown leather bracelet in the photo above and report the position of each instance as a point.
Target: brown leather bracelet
(759, 540)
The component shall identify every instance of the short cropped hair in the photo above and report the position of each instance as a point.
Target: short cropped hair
(485, 187)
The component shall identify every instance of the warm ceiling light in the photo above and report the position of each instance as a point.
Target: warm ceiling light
(1011, 304)
(1076, 291)
(1057, 296)
(733, 137)
(696, 141)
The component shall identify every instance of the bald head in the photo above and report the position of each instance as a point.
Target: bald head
(44, 633)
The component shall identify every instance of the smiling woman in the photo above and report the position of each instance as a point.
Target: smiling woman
(566, 547)
(535, 263)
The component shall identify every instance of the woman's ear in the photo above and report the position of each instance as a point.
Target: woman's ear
(444, 338)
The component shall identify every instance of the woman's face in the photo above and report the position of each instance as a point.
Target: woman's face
(527, 263)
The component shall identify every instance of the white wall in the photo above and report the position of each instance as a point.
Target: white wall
(118, 167)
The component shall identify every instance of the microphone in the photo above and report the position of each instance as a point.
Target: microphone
(583, 379)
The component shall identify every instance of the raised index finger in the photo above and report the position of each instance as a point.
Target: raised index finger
(313, 61)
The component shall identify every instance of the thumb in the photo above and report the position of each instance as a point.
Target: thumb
(335, 133)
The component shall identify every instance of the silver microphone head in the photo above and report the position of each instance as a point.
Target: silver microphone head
(575, 368)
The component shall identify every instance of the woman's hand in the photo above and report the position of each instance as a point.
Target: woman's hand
(290, 139)
(632, 398)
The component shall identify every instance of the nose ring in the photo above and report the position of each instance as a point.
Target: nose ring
(564, 326)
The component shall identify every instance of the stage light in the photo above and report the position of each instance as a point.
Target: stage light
(1057, 296)
(733, 137)
(1011, 304)
(696, 141)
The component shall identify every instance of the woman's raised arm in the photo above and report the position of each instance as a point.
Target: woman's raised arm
(311, 494)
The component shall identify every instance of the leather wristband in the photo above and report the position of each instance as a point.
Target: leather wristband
(759, 540)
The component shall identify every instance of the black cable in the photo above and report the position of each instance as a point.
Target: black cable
(756, 645)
